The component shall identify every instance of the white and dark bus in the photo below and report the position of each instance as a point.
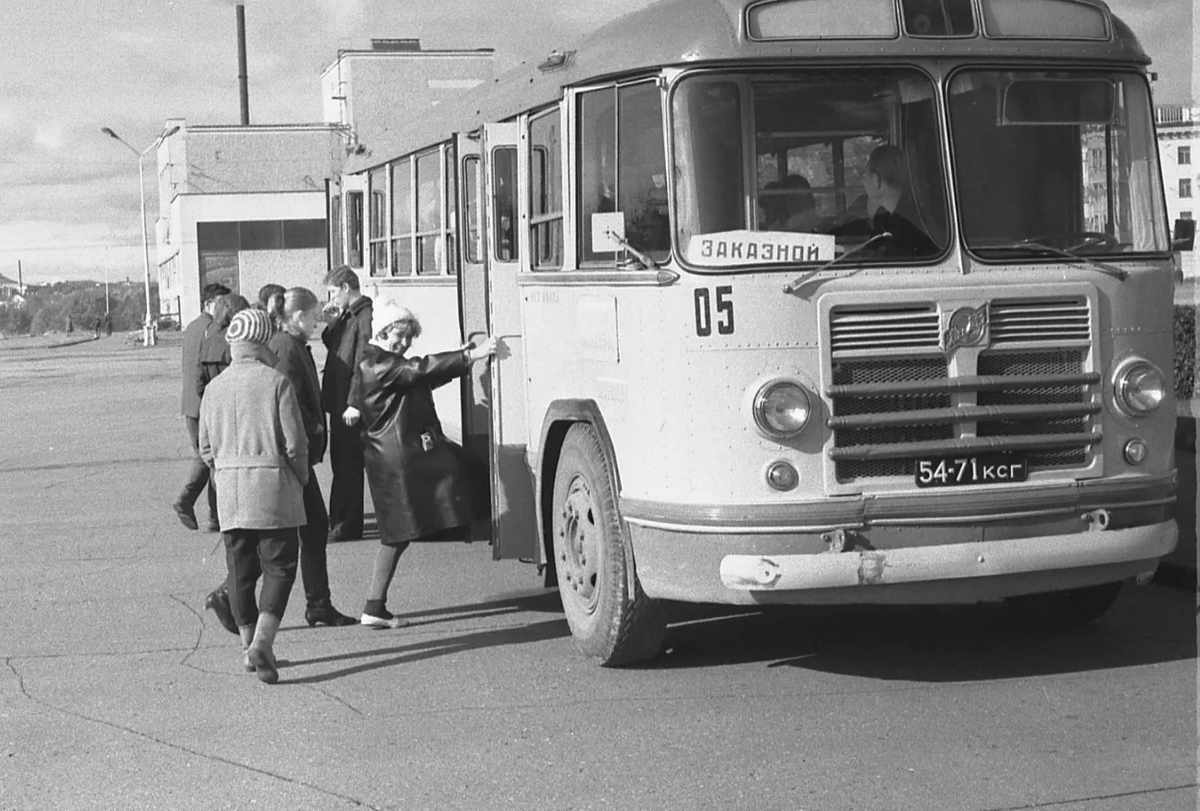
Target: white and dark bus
(804, 301)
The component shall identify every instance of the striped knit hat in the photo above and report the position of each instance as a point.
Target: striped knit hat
(251, 326)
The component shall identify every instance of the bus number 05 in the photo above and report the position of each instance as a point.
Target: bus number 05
(704, 319)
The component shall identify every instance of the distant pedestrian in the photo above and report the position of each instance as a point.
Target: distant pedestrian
(70, 325)
(108, 325)
(252, 436)
(298, 310)
(345, 338)
(189, 407)
(96, 326)
(421, 482)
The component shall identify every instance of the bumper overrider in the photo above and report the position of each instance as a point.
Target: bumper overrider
(905, 548)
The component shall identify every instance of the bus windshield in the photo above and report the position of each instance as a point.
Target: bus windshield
(808, 165)
(1053, 161)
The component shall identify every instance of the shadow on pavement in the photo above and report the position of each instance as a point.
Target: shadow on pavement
(925, 643)
(377, 658)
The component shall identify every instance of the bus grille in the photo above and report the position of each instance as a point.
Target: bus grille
(1039, 320)
(855, 329)
(889, 412)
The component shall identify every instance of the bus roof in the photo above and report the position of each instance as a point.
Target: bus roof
(698, 32)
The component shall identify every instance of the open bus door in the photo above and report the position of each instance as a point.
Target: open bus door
(514, 514)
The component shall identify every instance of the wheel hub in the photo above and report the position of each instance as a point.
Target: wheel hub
(581, 538)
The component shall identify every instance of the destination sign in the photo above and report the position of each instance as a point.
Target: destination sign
(730, 248)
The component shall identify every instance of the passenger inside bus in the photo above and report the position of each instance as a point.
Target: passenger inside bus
(888, 208)
(788, 205)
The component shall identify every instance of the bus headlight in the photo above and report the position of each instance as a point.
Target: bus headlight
(782, 409)
(1139, 388)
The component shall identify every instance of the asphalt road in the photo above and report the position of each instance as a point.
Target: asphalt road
(118, 691)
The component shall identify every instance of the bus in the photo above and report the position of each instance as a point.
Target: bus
(802, 301)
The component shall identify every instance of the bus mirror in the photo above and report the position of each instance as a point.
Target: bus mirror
(608, 232)
(1185, 235)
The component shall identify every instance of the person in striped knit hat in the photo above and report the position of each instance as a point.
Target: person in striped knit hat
(252, 437)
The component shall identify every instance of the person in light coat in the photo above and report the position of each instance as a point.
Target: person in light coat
(252, 436)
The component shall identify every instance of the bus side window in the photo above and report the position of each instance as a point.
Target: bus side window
(545, 192)
(504, 180)
(642, 169)
(597, 138)
(472, 212)
(354, 229)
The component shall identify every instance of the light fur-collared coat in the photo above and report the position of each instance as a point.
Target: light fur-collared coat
(252, 436)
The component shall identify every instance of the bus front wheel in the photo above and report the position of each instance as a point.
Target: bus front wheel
(1072, 607)
(609, 624)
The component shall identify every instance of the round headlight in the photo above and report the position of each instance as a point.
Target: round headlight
(782, 409)
(1140, 388)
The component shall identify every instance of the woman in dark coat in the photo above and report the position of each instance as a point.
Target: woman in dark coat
(420, 481)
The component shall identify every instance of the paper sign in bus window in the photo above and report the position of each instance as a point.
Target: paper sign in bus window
(730, 248)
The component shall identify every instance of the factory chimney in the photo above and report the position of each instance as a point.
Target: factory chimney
(243, 80)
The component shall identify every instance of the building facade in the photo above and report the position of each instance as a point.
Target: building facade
(1179, 157)
(244, 206)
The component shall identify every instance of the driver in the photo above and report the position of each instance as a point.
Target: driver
(891, 207)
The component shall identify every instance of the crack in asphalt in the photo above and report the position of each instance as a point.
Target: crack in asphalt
(1093, 798)
(181, 748)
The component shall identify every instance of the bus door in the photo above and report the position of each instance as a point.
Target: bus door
(514, 522)
(472, 308)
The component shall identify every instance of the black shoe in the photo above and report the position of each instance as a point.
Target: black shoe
(187, 516)
(218, 601)
(327, 615)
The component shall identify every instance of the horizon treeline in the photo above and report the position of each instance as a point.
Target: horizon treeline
(48, 307)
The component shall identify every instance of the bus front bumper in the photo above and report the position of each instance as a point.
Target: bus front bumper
(867, 567)
(730, 569)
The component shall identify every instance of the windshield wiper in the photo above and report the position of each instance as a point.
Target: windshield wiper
(647, 261)
(1109, 270)
(800, 281)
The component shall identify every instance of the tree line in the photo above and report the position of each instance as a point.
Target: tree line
(55, 307)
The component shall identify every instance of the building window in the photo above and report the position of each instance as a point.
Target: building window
(1185, 187)
(354, 229)
(377, 181)
(623, 166)
(1185, 155)
(545, 192)
(430, 200)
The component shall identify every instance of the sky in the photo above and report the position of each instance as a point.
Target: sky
(69, 205)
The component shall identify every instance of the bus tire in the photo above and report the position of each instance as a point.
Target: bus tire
(1072, 607)
(609, 624)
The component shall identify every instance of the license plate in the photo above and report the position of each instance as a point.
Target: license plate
(983, 468)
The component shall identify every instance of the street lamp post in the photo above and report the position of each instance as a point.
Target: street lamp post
(148, 335)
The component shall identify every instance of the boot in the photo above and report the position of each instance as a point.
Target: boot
(247, 634)
(327, 614)
(262, 653)
(218, 601)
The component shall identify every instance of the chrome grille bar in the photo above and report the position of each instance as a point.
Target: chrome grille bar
(963, 444)
(1049, 411)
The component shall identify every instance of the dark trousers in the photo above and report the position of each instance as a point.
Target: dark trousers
(199, 475)
(314, 570)
(346, 491)
(253, 553)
